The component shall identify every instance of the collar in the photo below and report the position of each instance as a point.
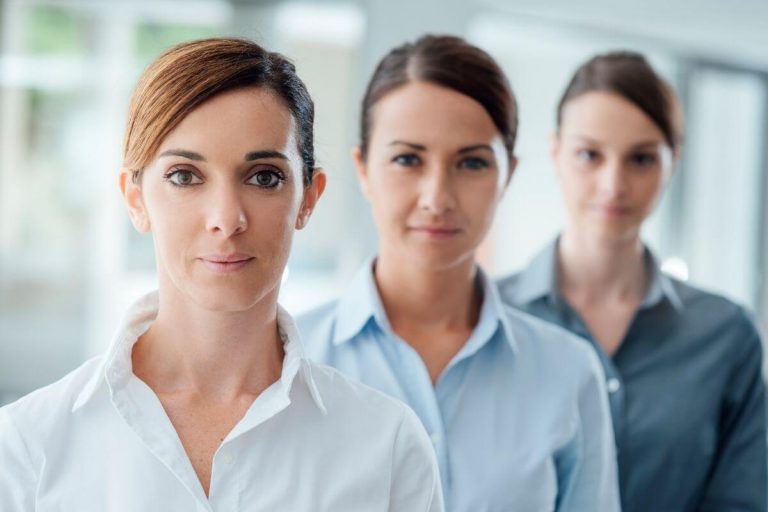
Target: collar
(116, 367)
(540, 279)
(361, 304)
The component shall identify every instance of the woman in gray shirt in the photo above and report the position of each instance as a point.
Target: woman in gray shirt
(683, 366)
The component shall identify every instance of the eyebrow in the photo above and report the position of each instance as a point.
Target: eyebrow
(249, 157)
(191, 155)
(265, 153)
(469, 149)
(421, 147)
(417, 147)
(639, 145)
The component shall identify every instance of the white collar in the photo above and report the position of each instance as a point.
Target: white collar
(116, 367)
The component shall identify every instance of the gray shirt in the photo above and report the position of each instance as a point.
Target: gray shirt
(686, 391)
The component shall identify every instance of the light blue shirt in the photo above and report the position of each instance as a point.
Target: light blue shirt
(519, 418)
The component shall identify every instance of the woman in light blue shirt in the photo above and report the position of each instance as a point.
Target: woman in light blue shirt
(516, 408)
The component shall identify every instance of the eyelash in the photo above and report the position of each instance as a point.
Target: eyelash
(410, 160)
(477, 163)
(176, 171)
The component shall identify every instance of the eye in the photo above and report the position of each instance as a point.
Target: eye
(474, 163)
(182, 178)
(643, 159)
(266, 179)
(587, 155)
(407, 160)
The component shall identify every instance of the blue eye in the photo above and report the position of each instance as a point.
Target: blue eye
(407, 160)
(182, 178)
(474, 163)
(266, 179)
(643, 159)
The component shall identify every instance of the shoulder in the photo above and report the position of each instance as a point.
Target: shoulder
(44, 410)
(551, 346)
(700, 301)
(342, 395)
(717, 318)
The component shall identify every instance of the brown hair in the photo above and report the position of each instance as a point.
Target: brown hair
(629, 75)
(191, 73)
(450, 62)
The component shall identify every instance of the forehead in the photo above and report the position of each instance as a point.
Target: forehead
(244, 120)
(608, 117)
(431, 114)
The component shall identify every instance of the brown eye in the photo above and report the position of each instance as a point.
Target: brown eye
(182, 178)
(266, 179)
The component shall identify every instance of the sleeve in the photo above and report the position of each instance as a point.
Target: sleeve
(415, 476)
(586, 466)
(17, 475)
(738, 480)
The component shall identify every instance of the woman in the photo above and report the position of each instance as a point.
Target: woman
(683, 365)
(205, 401)
(514, 406)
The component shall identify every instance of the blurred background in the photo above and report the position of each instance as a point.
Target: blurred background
(70, 263)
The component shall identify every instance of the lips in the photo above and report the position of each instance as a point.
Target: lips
(613, 210)
(226, 263)
(436, 232)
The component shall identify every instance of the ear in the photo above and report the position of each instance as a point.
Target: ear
(362, 170)
(312, 193)
(554, 148)
(134, 200)
(512, 167)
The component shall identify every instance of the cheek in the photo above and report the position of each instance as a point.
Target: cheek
(575, 186)
(650, 188)
(479, 199)
(391, 196)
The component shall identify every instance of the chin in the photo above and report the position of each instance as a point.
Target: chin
(616, 232)
(441, 260)
(233, 298)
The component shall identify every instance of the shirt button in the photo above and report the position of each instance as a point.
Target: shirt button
(613, 385)
(435, 437)
(227, 458)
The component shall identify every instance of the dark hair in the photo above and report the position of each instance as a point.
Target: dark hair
(450, 62)
(191, 73)
(629, 75)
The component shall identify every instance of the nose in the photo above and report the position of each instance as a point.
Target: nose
(437, 194)
(613, 180)
(225, 215)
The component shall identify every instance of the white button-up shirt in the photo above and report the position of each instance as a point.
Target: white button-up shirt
(100, 440)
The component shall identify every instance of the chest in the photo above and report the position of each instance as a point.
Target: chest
(122, 465)
(491, 455)
(202, 427)
(608, 323)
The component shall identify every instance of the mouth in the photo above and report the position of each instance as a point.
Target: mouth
(436, 232)
(224, 264)
(613, 211)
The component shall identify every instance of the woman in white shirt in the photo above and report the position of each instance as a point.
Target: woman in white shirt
(205, 400)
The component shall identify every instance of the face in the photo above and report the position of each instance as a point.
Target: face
(612, 162)
(222, 197)
(435, 170)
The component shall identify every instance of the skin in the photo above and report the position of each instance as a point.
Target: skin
(434, 173)
(225, 185)
(613, 164)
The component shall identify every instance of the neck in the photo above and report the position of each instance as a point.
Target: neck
(211, 353)
(445, 298)
(604, 270)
